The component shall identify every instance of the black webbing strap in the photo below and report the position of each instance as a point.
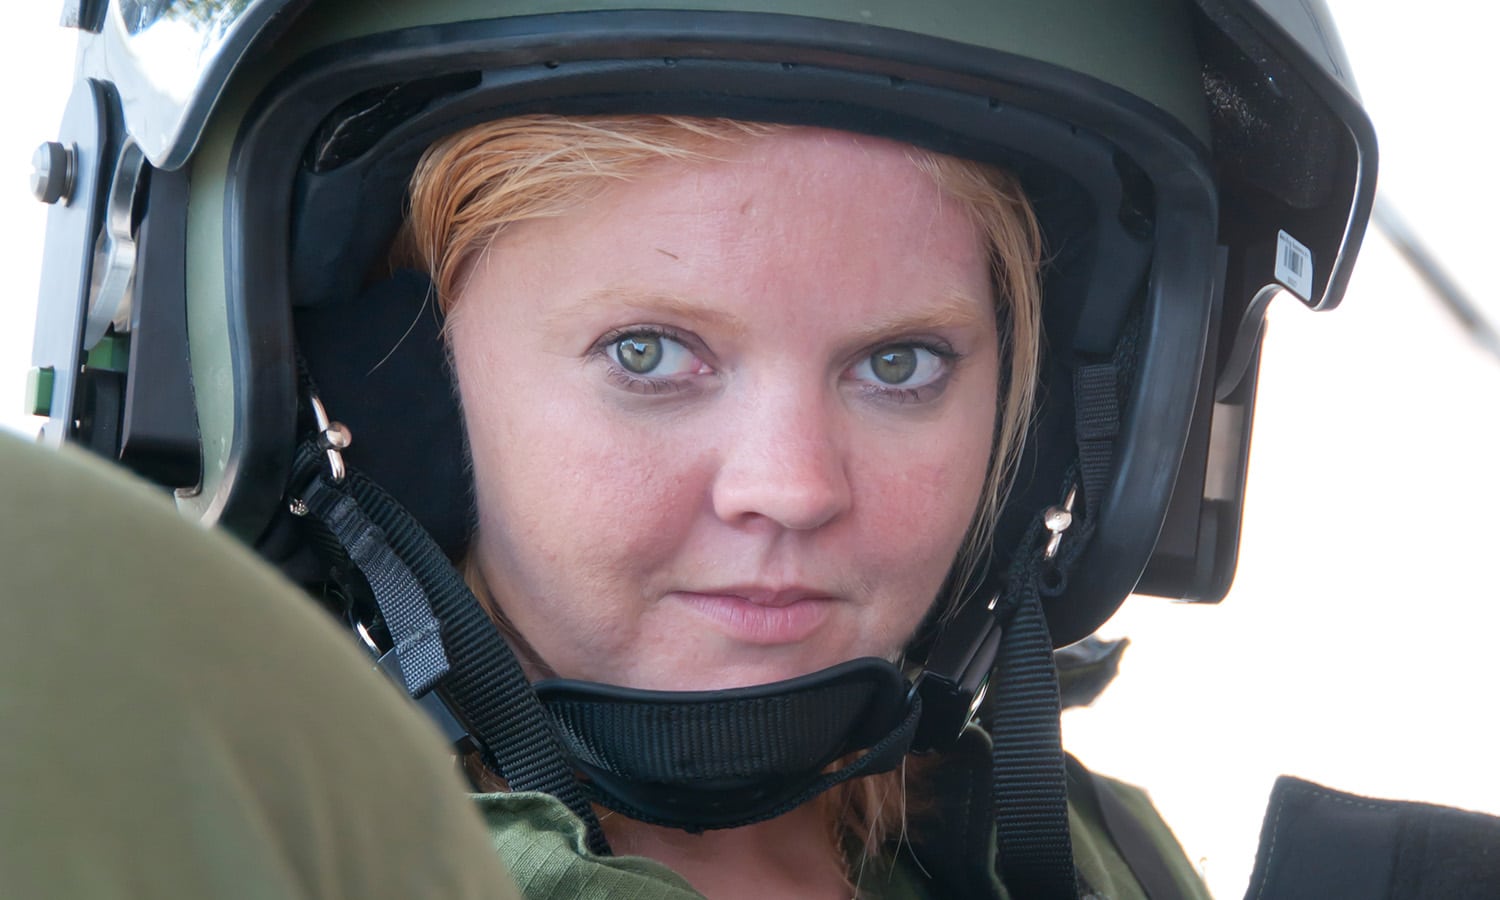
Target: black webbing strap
(415, 636)
(1030, 778)
(485, 684)
(1030, 792)
(1096, 407)
(1097, 400)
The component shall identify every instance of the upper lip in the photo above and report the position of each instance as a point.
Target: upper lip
(768, 596)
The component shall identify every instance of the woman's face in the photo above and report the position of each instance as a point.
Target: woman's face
(729, 420)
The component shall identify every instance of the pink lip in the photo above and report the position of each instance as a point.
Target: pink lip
(761, 616)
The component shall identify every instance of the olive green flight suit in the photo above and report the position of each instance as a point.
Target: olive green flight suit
(177, 721)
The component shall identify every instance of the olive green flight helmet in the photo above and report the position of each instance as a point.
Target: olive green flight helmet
(227, 171)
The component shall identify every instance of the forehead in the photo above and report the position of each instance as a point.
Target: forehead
(806, 213)
(818, 175)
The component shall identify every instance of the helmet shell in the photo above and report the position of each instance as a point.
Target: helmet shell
(1170, 146)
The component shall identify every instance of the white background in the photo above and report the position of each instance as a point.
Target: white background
(1358, 646)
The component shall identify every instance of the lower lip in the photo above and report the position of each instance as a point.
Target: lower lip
(754, 623)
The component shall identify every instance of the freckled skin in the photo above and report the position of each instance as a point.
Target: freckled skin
(601, 505)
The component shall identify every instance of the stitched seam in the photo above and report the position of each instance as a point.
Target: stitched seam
(1265, 876)
(1362, 804)
(1276, 827)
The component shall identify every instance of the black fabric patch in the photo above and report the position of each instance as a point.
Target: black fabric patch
(954, 841)
(1320, 843)
(380, 366)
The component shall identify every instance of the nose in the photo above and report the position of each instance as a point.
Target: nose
(784, 461)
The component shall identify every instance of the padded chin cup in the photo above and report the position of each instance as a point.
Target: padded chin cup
(711, 759)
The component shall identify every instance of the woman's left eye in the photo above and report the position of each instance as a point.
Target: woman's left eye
(651, 355)
(901, 366)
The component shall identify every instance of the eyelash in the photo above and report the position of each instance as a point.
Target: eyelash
(641, 384)
(903, 395)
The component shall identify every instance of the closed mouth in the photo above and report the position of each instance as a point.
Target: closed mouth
(760, 616)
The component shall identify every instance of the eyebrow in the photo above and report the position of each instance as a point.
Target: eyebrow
(671, 304)
(952, 309)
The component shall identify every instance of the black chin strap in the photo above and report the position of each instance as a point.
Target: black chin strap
(1028, 782)
(722, 759)
(484, 687)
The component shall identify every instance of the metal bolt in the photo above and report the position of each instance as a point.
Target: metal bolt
(53, 168)
(336, 437)
(332, 437)
(1058, 519)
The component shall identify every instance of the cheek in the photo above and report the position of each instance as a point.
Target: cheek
(577, 530)
(921, 496)
(568, 484)
(565, 477)
(919, 507)
(934, 474)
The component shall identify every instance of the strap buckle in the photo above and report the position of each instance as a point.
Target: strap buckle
(956, 677)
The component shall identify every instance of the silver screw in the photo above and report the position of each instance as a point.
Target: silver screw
(1058, 519)
(52, 171)
(336, 437)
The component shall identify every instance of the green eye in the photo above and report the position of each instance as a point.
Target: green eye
(640, 353)
(894, 365)
(901, 369)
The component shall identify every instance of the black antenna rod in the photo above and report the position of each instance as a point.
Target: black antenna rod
(1436, 275)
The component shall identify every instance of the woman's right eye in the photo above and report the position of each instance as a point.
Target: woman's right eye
(649, 354)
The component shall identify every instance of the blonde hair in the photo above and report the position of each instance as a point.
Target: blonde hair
(471, 186)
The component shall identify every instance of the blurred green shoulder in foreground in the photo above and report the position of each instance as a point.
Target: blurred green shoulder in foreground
(180, 722)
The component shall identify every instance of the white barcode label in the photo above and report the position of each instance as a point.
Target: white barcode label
(1294, 265)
